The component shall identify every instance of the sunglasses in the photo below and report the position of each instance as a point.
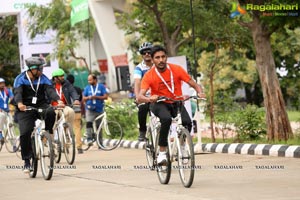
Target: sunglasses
(146, 52)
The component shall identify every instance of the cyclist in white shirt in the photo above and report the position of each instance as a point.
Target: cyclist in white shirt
(139, 72)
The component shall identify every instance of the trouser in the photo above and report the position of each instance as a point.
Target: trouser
(90, 116)
(142, 117)
(26, 122)
(165, 112)
(3, 120)
(77, 130)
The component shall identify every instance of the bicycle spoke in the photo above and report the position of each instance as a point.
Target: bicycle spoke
(46, 156)
(186, 159)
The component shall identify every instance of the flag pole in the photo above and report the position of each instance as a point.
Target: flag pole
(90, 59)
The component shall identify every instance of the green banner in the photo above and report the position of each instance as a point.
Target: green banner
(80, 11)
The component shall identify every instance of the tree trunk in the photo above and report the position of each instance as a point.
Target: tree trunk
(211, 101)
(278, 125)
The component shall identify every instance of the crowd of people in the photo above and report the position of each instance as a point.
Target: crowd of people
(153, 77)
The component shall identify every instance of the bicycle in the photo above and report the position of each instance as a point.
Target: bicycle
(108, 135)
(180, 147)
(63, 138)
(11, 138)
(41, 147)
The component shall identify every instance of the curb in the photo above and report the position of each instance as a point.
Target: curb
(276, 150)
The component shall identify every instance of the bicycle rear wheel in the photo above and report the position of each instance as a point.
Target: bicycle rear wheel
(34, 160)
(1, 144)
(163, 171)
(110, 136)
(11, 139)
(150, 154)
(69, 144)
(186, 158)
(46, 155)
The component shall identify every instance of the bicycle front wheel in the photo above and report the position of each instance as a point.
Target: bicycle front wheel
(110, 136)
(34, 160)
(163, 171)
(69, 144)
(186, 158)
(46, 155)
(11, 139)
(57, 147)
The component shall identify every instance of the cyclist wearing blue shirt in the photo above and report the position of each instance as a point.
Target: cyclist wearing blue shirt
(6, 96)
(31, 88)
(139, 72)
(94, 95)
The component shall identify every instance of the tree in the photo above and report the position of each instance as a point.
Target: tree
(262, 27)
(43, 18)
(9, 49)
(286, 48)
(168, 21)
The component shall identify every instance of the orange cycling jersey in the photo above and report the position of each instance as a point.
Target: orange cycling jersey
(153, 81)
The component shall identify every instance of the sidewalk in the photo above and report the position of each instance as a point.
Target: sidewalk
(292, 151)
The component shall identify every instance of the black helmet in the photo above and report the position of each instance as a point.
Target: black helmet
(145, 46)
(34, 62)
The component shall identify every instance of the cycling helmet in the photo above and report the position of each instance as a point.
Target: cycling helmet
(34, 62)
(2, 80)
(145, 46)
(58, 72)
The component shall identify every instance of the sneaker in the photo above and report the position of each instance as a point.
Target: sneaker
(89, 141)
(27, 166)
(162, 158)
(15, 148)
(142, 137)
(79, 151)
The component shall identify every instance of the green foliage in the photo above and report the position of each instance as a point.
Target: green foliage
(9, 49)
(250, 123)
(45, 18)
(286, 45)
(125, 113)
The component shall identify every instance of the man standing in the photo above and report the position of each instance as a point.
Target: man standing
(94, 95)
(165, 79)
(6, 96)
(31, 89)
(139, 72)
(77, 121)
(68, 95)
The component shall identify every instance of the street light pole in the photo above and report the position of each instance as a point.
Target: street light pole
(193, 41)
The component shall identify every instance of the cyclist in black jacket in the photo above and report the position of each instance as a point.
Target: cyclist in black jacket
(31, 89)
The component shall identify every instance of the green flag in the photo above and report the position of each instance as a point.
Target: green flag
(80, 11)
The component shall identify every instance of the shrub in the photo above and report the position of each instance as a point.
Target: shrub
(125, 113)
(250, 123)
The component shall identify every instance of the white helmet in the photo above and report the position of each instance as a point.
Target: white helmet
(2, 80)
(145, 46)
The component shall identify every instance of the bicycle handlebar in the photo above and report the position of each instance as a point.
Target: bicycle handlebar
(163, 98)
(30, 108)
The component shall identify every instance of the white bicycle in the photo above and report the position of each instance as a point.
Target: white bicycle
(11, 136)
(108, 134)
(63, 138)
(180, 147)
(41, 146)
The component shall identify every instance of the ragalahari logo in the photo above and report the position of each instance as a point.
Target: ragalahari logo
(237, 10)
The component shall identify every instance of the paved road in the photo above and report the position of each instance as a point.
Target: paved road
(114, 175)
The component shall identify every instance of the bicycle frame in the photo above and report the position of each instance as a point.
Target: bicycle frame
(39, 126)
(60, 124)
(103, 122)
(8, 124)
